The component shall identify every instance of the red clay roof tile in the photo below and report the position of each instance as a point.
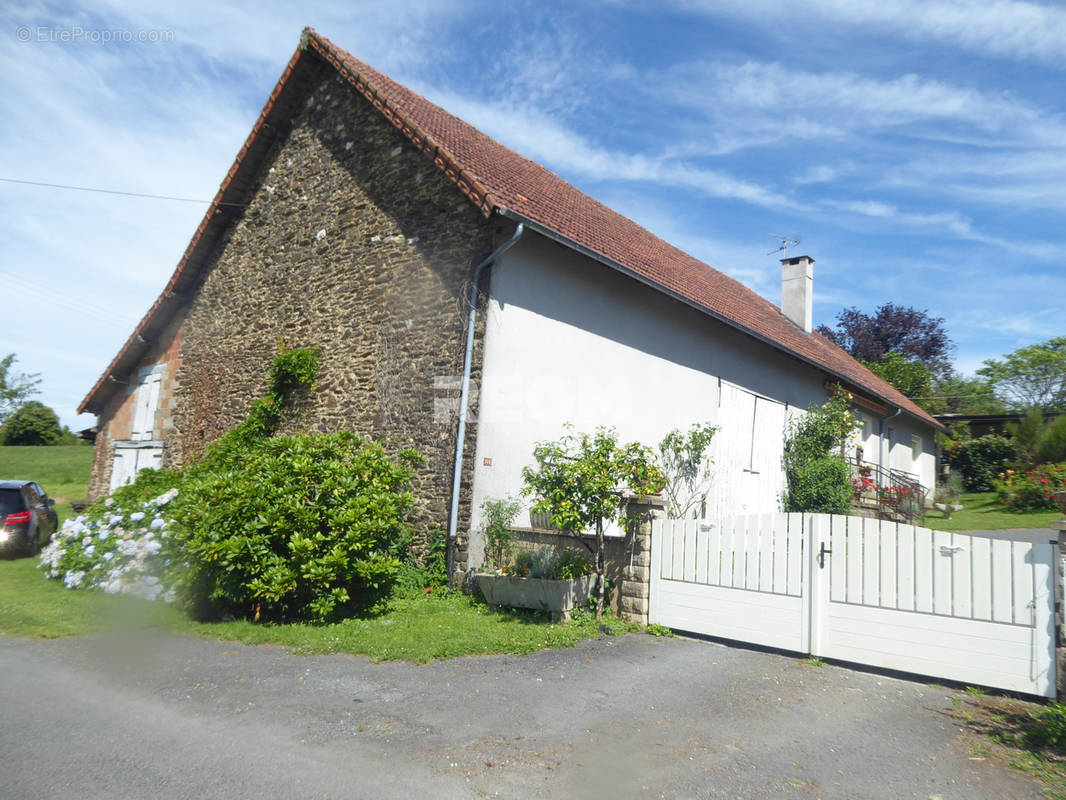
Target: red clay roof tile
(496, 178)
(513, 182)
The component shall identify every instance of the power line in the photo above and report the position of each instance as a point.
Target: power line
(70, 303)
(953, 396)
(115, 191)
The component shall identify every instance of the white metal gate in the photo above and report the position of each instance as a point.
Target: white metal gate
(966, 607)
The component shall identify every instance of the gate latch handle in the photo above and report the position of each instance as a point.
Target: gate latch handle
(822, 553)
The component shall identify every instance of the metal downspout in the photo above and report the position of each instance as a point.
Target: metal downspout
(460, 440)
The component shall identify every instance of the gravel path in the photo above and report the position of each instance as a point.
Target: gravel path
(177, 717)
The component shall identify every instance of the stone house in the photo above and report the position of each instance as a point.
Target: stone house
(358, 217)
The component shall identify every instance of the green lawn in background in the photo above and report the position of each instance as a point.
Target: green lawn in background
(982, 512)
(419, 629)
(63, 471)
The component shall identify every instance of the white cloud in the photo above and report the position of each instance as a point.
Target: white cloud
(549, 142)
(763, 102)
(1025, 31)
(818, 173)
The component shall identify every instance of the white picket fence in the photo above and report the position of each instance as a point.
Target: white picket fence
(967, 607)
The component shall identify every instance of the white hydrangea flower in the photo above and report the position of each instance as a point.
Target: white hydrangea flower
(73, 579)
(137, 516)
(166, 497)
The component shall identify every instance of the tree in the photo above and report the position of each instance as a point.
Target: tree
(1031, 377)
(1037, 441)
(908, 331)
(15, 387)
(686, 467)
(910, 376)
(33, 423)
(1028, 434)
(956, 394)
(581, 480)
(1053, 446)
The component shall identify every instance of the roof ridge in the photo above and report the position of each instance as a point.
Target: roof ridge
(496, 178)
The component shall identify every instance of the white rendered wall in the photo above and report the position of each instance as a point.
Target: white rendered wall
(569, 340)
(898, 454)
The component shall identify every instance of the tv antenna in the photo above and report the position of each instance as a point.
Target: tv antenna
(786, 242)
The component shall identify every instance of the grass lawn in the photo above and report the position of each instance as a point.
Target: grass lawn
(1009, 731)
(63, 471)
(419, 629)
(982, 512)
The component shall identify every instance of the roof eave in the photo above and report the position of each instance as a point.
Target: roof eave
(606, 260)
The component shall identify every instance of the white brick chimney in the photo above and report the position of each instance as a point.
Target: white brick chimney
(797, 290)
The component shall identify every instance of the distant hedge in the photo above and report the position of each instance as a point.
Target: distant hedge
(980, 461)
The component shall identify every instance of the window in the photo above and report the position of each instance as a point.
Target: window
(916, 446)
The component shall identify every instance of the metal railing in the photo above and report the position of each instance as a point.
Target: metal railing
(892, 493)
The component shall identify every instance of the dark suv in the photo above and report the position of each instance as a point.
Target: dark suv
(27, 517)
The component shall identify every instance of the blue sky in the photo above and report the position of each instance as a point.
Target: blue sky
(916, 147)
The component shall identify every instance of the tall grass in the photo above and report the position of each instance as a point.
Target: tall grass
(62, 470)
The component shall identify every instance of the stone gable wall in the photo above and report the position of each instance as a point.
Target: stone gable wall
(353, 243)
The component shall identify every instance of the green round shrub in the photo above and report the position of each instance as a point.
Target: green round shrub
(294, 527)
(821, 485)
(982, 460)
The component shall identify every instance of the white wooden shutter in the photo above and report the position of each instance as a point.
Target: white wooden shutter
(123, 467)
(146, 403)
(149, 457)
(131, 458)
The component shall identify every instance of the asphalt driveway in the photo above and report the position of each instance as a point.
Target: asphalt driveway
(175, 717)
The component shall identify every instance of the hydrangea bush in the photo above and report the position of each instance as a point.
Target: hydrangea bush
(115, 549)
(307, 526)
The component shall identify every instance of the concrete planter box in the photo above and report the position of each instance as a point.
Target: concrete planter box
(558, 597)
(947, 508)
(540, 521)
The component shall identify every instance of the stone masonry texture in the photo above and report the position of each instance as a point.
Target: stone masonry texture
(355, 244)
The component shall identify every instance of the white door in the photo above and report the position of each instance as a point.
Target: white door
(748, 448)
